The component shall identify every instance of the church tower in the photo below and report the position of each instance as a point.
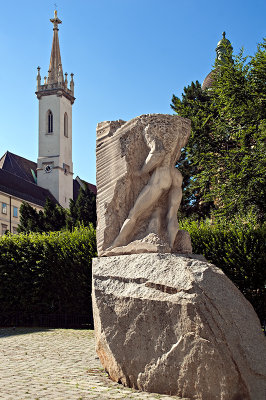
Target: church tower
(54, 166)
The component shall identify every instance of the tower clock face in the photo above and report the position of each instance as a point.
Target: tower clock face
(48, 168)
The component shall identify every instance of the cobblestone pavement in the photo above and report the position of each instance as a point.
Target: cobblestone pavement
(58, 364)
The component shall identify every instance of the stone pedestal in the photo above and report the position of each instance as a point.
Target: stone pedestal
(177, 325)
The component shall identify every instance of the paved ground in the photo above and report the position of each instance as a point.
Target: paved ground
(58, 364)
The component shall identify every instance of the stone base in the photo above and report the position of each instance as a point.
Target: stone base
(153, 243)
(177, 325)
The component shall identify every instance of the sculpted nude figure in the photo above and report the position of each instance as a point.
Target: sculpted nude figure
(165, 177)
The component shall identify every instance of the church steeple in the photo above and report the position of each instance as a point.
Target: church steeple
(55, 80)
(55, 67)
(55, 166)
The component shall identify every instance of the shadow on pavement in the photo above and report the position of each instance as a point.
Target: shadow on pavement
(5, 332)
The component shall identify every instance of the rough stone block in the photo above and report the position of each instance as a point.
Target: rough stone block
(177, 325)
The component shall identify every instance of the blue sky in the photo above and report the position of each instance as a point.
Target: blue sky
(128, 57)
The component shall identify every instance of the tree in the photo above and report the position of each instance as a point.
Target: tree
(195, 105)
(83, 210)
(52, 218)
(56, 218)
(30, 219)
(225, 155)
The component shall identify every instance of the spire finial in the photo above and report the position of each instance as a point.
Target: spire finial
(38, 78)
(223, 35)
(55, 60)
(56, 20)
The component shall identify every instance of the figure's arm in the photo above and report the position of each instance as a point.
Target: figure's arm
(154, 158)
(156, 154)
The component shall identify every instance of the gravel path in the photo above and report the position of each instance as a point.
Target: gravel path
(58, 364)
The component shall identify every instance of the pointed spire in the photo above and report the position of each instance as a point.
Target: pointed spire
(55, 83)
(55, 67)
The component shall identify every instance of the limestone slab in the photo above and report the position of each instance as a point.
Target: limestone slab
(139, 190)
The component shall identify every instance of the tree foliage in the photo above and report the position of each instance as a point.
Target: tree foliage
(225, 159)
(52, 218)
(56, 218)
(83, 210)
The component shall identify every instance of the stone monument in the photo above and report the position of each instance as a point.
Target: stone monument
(166, 321)
(139, 189)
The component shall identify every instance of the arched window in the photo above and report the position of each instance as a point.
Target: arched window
(50, 122)
(65, 125)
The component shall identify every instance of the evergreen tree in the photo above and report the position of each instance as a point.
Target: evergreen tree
(52, 218)
(195, 105)
(30, 219)
(225, 155)
(56, 218)
(83, 210)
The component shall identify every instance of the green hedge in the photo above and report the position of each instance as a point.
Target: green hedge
(240, 251)
(51, 273)
(47, 273)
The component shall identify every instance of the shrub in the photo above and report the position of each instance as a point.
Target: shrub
(239, 249)
(47, 272)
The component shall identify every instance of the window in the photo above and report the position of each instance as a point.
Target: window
(50, 122)
(4, 229)
(15, 212)
(65, 125)
(4, 208)
(15, 230)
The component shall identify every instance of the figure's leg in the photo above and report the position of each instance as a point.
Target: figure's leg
(159, 181)
(174, 200)
(147, 197)
(155, 221)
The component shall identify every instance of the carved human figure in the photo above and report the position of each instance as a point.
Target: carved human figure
(165, 177)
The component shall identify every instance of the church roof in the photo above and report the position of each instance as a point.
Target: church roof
(19, 166)
(18, 172)
(78, 183)
(23, 189)
(223, 47)
(208, 81)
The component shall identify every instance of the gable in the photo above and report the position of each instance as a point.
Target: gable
(19, 166)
